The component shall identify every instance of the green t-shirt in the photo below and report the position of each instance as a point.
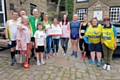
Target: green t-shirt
(33, 23)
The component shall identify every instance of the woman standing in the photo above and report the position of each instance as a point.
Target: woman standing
(56, 39)
(82, 31)
(23, 40)
(46, 26)
(74, 34)
(65, 34)
(93, 38)
(109, 37)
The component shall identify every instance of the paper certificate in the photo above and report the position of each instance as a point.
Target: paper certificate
(55, 32)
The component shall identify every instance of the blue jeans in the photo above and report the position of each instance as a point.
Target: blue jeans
(48, 44)
(56, 44)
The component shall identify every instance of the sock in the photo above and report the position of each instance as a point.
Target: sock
(29, 61)
(41, 59)
(38, 61)
(13, 55)
(32, 50)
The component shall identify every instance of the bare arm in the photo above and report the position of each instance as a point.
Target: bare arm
(6, 30)
(36, 46)
(80, 30)
(69, 29)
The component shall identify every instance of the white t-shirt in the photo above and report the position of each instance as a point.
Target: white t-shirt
(56, 27)
(47, 26)
(40, 37)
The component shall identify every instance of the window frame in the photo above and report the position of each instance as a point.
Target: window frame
(30, 7)
(81, 1)
(112, 15)
(79, 9)
(3, 12)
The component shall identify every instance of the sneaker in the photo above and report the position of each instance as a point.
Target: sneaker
(99, 63)
(105, 66)
(81, 58)
(108, 67)
(91, 62)
(73, 53)
(12, 63)
(64, 54)
(42, 62)
(38, 63)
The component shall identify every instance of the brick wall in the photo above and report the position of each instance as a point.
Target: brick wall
(41, 6)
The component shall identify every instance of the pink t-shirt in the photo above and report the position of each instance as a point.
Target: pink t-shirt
(64, 28)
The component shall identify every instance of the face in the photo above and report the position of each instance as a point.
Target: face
(40, 27)
(15, 15)
(22, 13)
(75, 18)
(94, 22)
(64, 17)
(55, 21)
(25, 21)
(106, 22)
(85, 18)
(46, 17)
(35, 13)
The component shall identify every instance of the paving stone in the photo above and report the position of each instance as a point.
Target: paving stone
(37, 77)
(4, 75)
(92, 77)
(23, 77)
(48, 72)
(80, 66)
(45, 76)
(63, 62)
(78, 74)
(57, 78)
(52, 76)
(60, 74)
(51, 68)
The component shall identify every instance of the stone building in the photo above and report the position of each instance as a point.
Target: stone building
(7, 6)
(98, 9)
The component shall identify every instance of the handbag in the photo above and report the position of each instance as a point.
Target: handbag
(20, 58)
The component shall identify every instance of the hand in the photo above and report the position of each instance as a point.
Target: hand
(8, 40)
(50, 27)
(36, 46)
(115, 45)
(45, 46)
(19, 44)
(81, 37)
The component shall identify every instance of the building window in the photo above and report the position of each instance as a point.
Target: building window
(81, 1)
(114, 14)
(2, 13)
(32, 6)
(81, 13)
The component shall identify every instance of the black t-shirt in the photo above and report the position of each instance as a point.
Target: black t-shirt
(83, 29)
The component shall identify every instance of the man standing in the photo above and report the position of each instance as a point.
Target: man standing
(33, 23)
(10, 33)
(22, 13)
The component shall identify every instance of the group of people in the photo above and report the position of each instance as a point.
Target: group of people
(29, 35)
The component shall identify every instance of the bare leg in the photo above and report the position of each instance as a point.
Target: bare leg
(93, 55)
(99, 55)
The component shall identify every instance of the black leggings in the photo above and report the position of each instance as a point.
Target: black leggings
(64, 43)
(81, 41)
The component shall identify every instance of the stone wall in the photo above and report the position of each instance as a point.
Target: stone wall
(41, 6)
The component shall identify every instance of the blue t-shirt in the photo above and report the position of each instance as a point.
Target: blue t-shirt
(74, 27)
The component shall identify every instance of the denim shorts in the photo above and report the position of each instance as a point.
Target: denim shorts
(95, 47)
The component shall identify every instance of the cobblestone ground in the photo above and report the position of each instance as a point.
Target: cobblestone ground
(57, 68)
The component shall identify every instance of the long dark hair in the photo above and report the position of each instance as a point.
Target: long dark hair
(66, 20)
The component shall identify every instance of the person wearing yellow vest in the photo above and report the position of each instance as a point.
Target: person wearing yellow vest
(93, 38)
(10, 33)
(109, 35)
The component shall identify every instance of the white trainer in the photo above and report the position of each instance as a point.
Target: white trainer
(42, 62)
(64, 54)
(38, 63)
(105, 66)
(108, 67)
